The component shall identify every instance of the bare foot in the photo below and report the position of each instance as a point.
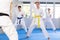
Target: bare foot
(48, 38)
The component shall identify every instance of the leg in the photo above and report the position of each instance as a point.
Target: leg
(16, 22)
(30, 28)
(53, 26)
(43, 29)
(23, 23)
(10, 30)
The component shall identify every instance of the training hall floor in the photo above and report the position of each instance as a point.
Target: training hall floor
(36, 35)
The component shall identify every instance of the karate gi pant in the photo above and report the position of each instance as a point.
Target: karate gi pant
(22, 22)
(50, 21)
(8, 28)
(42, 26)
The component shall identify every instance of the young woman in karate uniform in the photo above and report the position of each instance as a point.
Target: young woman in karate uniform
(49, 18)
(38, 20)
(20, 18)
(5, 19)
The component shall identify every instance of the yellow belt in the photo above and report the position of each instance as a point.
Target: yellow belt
(38, 17)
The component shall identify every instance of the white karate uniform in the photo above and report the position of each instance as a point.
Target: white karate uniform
(49, 19)
(5, 22)
(19, 14)
(35, 22)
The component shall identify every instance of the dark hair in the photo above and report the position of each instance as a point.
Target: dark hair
(48, 8)
(37, 2)
(19, 6)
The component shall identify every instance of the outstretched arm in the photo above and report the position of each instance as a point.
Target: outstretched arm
(10, 10)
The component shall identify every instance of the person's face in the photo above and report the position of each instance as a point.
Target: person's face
(19, 9)
(37, 4)
(49, 10)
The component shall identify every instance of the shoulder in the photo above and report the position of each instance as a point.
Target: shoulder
(22, 11)
(41, 9)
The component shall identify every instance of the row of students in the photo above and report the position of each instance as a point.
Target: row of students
(37, 19)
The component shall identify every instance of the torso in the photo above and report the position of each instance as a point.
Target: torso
(48, 15)
(19, 14)
(5, 6)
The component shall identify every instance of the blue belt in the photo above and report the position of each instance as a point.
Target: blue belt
(19, 18)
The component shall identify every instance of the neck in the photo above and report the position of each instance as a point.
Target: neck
(38, 7)
(49, 12)
(19, 10)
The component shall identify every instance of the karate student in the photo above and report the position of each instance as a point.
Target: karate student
(20, 18)
(5, 19)
(49, 18)
(38, 17)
